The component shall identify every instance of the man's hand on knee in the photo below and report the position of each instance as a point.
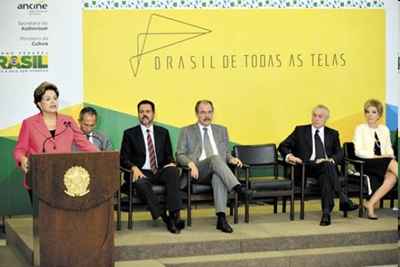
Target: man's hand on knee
(194, 171)
(137, 173)
(236, 162)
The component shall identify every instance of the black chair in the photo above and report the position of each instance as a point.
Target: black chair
(132, 200)
(200, 193)
(267, 187)
(309, 187)
(356, 180)
(358, 184)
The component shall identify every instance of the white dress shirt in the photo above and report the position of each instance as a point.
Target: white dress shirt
(90, 137)
(364, 140)
(212, 141)
(321, 135)
(146, 165)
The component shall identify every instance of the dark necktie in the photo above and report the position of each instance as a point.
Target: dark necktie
(319, 146)
(377, 146)
(152, 152)
(207, 144)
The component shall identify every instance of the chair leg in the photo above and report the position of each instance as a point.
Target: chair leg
(3, 224)
(230, 209)
(361, 196)
(235, 209)
(302, 193)
(284, 205)
(292, 205)
(130, 205)
(381, 204)
(361, 208)
(292, 188)
(345, 214)
(275, 205)
(246, 211)
(189, 208)
(392, 201)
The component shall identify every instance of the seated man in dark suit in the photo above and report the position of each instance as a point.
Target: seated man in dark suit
(146, 150)
(319, 146)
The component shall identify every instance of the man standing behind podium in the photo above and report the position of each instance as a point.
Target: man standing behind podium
(319, 147)
(87, 122)
(146, 150)
(203, 147)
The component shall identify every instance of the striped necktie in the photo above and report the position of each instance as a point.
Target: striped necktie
(152, 152)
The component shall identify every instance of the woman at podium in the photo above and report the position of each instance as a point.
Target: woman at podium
(48, 131)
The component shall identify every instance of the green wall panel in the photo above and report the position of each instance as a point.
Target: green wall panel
(13, 197)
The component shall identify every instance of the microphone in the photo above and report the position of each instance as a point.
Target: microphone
(67, 124)
(82, 133)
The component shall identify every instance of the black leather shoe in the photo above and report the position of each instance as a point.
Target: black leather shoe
(171, 226)
(180, 224)
(224, 226)
(348, 206)
(170, 223)
(325, 220)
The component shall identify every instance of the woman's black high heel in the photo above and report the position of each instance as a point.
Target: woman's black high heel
(368, 216)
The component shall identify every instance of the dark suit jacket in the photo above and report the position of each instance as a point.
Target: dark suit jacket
(299, 143)
(133, 149)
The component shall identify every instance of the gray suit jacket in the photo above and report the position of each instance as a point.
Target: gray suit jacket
(99, 140)
(190, 144)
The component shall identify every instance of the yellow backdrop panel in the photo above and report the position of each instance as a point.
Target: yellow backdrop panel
(263, 69)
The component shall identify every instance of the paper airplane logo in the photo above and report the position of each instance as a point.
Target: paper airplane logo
(152, 39)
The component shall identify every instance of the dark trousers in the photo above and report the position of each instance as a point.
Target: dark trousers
(329, 183)
(169, 177)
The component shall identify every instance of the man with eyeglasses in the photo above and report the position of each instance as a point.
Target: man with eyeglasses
(203, 147)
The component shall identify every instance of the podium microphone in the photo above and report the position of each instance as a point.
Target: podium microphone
(67, 124)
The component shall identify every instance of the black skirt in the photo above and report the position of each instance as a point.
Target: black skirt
(376, 167)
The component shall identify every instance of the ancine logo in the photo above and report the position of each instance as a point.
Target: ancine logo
(34, 5)
(188, 32)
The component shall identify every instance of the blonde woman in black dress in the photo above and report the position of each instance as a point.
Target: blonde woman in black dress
(372, 144)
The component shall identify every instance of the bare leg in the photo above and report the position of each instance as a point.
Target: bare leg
(393, 168)
(388, 183)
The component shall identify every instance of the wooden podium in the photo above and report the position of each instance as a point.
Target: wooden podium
(73, 208)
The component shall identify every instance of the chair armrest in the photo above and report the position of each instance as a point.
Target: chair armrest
(184, 168)
(244, 166)
(355, 161)
(282, 162)
(122, 169)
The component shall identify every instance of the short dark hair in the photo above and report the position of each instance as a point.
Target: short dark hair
(143, 102)
(87, 110)
(203, 101)
(41, 90)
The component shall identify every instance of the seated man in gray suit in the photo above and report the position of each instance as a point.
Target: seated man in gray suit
(87, 121)
(203, 147)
